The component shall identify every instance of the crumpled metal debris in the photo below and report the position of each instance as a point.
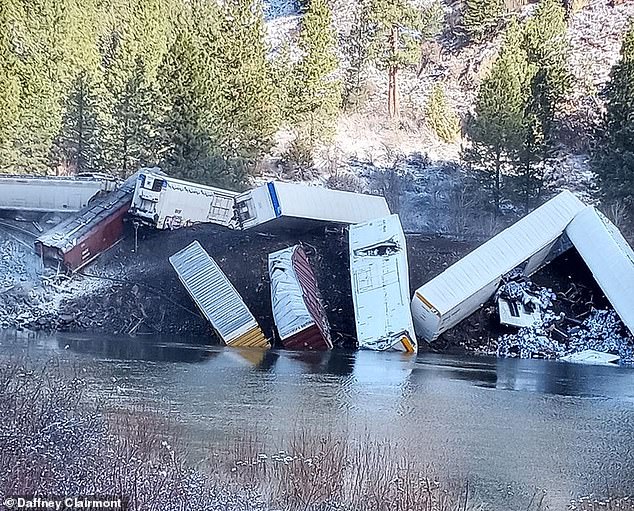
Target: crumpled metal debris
(526, 292)
(555, 336)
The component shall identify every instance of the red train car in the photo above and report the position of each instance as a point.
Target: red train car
(298, 307)
(82, 237)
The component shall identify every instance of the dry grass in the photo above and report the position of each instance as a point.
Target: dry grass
(610, 504)
(53, 442)
(322, 472)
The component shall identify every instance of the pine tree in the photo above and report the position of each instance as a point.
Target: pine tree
(614, 157)
(189, 83)
(282, 76)
(481, 18)
(440, 117)
(396, 30)
(10, 88)
(316, 91)
(40, 33)
(547, 47)
(76, 146)
(246, 110)
(53, 41)
(134, 38)
(127, 129)
(356, 48)
(500, 128)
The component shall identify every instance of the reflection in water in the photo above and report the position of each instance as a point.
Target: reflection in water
(127, 348)
(516, 424)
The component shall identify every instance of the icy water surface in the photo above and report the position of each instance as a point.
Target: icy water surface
(509, 426)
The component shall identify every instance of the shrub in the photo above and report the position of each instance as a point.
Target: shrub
(440, 116)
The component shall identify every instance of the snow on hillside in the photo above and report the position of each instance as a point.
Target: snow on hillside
(595, 33)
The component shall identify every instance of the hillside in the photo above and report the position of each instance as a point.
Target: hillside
(367, 140)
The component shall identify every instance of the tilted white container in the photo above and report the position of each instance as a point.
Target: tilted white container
(216, 297)
(609, 257)
(465, 286)
(380, 285)
(302, 204)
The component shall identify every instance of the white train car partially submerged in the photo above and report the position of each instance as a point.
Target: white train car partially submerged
(216, 297)
(287, 204)
(465, 286)
(380, 285)
(165, 202)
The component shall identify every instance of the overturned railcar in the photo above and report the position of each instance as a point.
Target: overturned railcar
(286, 205)
(465, 286)
(57, 194)
(82, 237)
(609, 257)
(164, 202)
(216, 297)
(380, 285)
(298, 308)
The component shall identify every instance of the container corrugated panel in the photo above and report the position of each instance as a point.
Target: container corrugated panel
(216, 297)
(463, 287)
(380, 285)
(297, 304)
(609, 257)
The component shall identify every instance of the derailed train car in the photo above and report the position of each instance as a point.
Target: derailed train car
(285, 205)
(462, 288)
(609, 257)
(216, 297)
(165, 202)
(82, 237)
(298, 308)
(57, 194)
(380, 285)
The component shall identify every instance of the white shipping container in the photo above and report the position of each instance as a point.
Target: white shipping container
(216, 297)
(168, 203)
(297, 202)
(609, 257)
(380, 285)
(465, 286)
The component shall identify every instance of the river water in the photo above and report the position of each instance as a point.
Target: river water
(509, 426)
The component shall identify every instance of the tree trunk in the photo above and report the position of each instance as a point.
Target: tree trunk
(392, 92)
(498, 182)
(79, 163)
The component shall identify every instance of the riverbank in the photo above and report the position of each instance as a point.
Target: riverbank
(56, 440)
(132, 288)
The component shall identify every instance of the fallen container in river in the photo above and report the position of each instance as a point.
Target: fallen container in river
(380, 285)
(298, 308)
(216, 297)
